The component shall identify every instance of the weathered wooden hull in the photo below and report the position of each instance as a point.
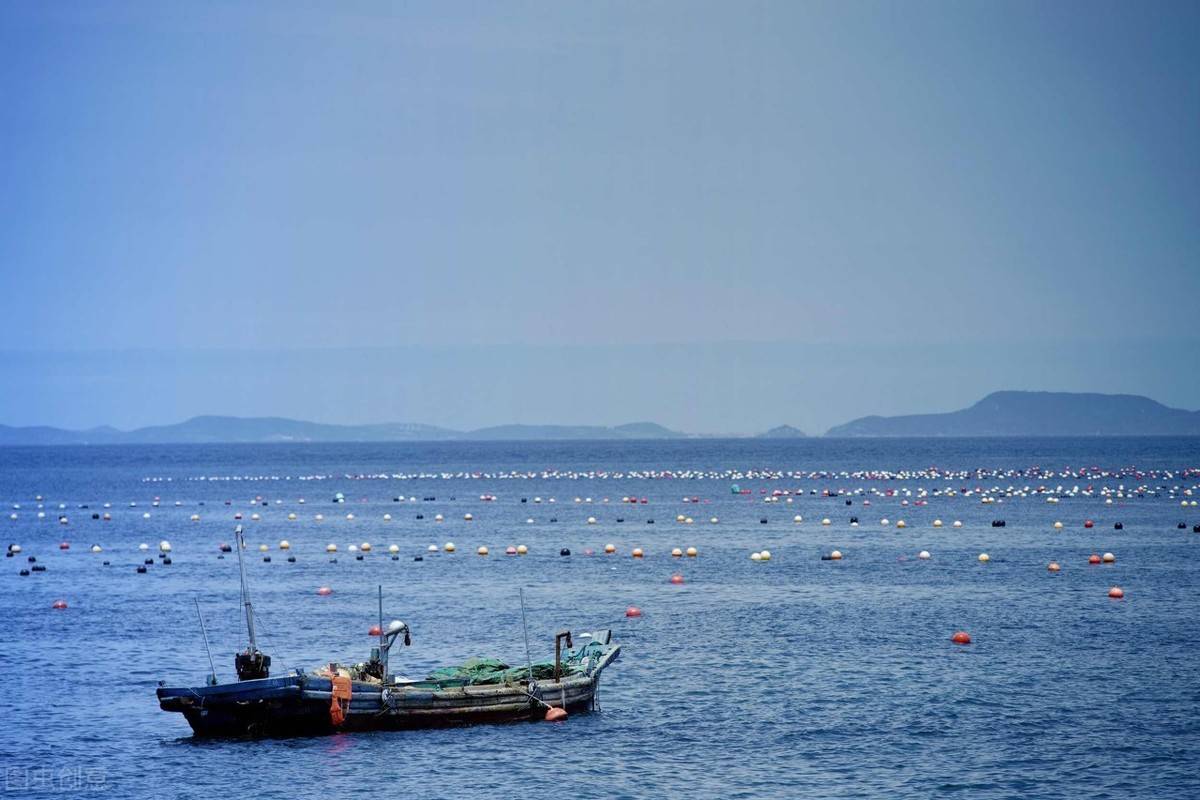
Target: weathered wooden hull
(299, 704)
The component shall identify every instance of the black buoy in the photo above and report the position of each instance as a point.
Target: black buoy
(24, 573)
(291, 559)
(649, 522)
(554, 519)
(358, 558)
(564, 552)
(168, 561)
(420, 516)
(395, 558)
(524, 500)
(1120, 526)
(39, 568)
(762, 521)
(95, 516)
(418, 558)
(333, 561)
(141, 570)
(1196, 529)
(32, 559)
(849, 503)
(106, 563)
(620, 519)
(149, 561)
(1182, 526)
(266, 560)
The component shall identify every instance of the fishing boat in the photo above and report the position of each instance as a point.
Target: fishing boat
(367, 696)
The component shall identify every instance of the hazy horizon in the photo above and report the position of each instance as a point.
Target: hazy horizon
(746, 387)
(719, 217)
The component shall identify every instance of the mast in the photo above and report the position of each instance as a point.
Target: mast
(383, 650)
(241, 544)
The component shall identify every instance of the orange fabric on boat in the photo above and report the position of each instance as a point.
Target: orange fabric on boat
(341, 691)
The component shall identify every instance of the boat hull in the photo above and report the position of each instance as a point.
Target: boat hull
(299, 704)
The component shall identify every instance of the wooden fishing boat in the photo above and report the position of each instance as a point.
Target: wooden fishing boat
(367, 696)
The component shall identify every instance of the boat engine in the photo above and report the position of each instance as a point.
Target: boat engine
(252, 665)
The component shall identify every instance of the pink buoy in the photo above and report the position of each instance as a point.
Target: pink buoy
(633, 611)
(59, 605)
(324, 591)
(556, 715)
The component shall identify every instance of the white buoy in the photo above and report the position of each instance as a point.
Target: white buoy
(284, 544)
(387, 517)
(756, 556)
(468, 517)
(331, 548)
(958, 523)
(797, 519)
(352, 549)
(365, 547)
(433, 548)
(984, 558)
(164, 546)
(449, 547)
(143, 547)
(923, 555)
(765, 555)
(826, 521)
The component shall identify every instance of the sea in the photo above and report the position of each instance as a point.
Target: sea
(793, 676)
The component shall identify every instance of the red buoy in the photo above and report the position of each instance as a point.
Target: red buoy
(556, 715)
(64, 545)
(633, 611)
(1088, 523)
(677, 579)
(375, 631)
(1093, 559)
(324, 591)
(1116, 593)
(59, 604)
(961, 637)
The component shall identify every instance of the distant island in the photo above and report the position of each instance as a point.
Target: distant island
(234, 430)
(783, 432)
(1038, 414)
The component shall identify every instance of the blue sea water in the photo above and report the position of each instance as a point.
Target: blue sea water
(793, 678)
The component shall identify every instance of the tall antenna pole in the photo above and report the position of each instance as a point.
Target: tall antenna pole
(241, 544)
(382, 650)
(212, 667)
(525, 628)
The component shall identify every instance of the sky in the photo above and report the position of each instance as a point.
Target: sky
(717, 216)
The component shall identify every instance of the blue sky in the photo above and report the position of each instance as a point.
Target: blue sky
(467, 214)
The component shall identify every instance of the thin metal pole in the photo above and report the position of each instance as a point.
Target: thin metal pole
(241, 545)
(525, 628)
(383, 653)
(212, 667)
